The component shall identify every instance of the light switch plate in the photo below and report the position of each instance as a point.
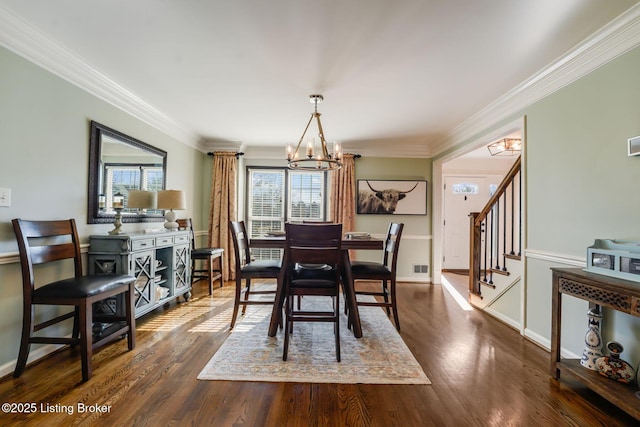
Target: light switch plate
(5, 197)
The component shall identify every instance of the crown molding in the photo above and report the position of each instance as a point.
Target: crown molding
(27, 42)
(614, 39)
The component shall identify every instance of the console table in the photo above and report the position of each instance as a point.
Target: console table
(617, 294)
(160, 263)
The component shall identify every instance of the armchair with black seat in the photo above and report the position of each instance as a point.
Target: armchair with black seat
(248, 269)
(42, 242)
(207, 255)
(384, 271)
(312, 245)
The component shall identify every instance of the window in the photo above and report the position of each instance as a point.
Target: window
(465, 188)
(122, 178)
(278, 195)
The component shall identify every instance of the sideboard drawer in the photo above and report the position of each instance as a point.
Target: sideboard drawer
(164, 241)
(182, 239)
(138, 245)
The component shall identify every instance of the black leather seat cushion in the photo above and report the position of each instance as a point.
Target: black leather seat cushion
(262, 266)
(85, 286)
(205, 252)
(366, 268)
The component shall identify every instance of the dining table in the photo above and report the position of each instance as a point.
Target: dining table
(279, 242)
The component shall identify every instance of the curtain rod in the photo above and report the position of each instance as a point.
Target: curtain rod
(238, 154)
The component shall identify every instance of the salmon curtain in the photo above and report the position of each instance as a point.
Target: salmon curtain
(222, 207)
(343, 193)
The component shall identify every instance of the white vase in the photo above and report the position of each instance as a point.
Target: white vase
(592, 340)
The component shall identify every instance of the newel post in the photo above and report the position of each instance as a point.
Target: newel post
(474, 253)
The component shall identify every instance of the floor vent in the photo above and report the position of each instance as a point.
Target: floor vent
(421, 268)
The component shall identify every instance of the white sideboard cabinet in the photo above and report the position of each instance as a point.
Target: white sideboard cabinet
(160, 263)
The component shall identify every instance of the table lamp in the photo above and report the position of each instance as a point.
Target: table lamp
(141, 200)
(171, 199)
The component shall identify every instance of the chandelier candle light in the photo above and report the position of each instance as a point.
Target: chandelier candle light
(171, 199)
(314, 159)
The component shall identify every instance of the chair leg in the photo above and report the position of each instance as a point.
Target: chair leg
(337, 331)
(27, 331)
(394, 305)
(236, 301)
(76, 325)
(221, 258)
(385, 295)
(210, 275)
(247, 291)
(131, 321)
(86, 339)
(287, 325)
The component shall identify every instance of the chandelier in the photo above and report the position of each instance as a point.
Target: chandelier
(314, 158)
(505, 147)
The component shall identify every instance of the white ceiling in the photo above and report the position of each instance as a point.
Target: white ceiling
(396, 75)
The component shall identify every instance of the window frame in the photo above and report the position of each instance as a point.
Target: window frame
(286, 208)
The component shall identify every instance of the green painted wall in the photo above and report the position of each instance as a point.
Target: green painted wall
(580, 185)
(415, 247)
(44, 136)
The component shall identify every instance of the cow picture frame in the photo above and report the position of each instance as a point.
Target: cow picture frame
(391, 197)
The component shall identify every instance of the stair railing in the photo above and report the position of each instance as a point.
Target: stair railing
(496, 232)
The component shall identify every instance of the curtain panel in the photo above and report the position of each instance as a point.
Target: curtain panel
(222, 207)
(343, 193)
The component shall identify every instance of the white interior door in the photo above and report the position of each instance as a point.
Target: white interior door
(462, 195)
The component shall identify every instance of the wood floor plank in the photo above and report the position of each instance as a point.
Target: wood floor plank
(483, 373)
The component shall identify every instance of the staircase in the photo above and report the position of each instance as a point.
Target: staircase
(496, 243)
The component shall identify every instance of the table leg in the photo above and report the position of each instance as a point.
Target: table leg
(350, 295)
(276, 314)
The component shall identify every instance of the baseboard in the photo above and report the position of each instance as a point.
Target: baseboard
(34, 355)
(504, 319)
(414, 280)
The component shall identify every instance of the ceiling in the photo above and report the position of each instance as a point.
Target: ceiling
(396, 75)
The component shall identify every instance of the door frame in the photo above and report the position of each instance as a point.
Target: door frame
(438, 188)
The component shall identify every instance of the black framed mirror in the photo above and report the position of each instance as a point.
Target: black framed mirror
(119, 163)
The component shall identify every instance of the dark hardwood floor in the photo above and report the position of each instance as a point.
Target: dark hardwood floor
(483, 373)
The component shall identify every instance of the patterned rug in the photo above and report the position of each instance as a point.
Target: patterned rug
(379, 357)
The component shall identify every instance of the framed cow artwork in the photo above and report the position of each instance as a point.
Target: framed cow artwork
(396, 197)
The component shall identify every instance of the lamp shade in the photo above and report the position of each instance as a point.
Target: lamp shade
(141, 199)
(172, 199)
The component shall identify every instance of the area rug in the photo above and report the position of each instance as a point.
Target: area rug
(379, 357)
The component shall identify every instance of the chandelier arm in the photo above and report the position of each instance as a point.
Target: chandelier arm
(323, 142)
(303, 134)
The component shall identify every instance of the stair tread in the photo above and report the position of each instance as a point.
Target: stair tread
(500, 271)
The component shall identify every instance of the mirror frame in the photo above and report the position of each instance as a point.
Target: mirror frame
(95, 152)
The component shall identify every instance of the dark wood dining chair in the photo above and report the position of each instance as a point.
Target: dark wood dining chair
(247, 269)
(312, 245)
(206, 255)
(384, 272)
(48, 241)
